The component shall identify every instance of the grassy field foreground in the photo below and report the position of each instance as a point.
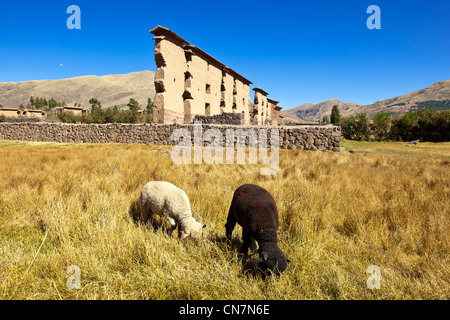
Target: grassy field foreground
(64, 205)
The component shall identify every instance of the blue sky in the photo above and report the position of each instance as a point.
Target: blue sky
(298, 51)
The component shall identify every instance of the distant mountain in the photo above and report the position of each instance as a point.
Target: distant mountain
(315, 112)
(110, 90)
(428, 97)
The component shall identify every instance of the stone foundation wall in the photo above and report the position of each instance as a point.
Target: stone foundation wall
(324, 138)
(224, 118)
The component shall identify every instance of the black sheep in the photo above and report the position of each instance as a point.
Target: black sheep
(256, 211)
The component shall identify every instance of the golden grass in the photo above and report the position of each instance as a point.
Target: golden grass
(63, 205)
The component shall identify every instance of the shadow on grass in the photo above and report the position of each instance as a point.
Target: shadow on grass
(250, 266)
(156, 223)
(249, 261)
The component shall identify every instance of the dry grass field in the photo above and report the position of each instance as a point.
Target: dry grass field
(373, 204)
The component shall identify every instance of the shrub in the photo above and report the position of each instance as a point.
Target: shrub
(381, 125)
(348, 127)
(424, 125)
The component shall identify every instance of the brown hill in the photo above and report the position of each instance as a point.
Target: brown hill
(438, 91)
(110, 90)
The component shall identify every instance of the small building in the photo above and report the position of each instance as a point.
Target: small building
(22, 113)
(77, 111)
(35, 114)
(12, 112)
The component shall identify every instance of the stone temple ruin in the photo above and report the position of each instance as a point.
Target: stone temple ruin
(189, 83)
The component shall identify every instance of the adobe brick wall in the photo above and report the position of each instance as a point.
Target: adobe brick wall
(323, 138)
(224, 118)
(190, 82)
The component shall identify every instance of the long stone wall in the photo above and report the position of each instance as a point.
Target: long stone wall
(324, 138)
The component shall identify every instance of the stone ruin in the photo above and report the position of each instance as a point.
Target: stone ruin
(189, 83)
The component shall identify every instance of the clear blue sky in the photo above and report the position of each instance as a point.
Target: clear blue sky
(298, 51)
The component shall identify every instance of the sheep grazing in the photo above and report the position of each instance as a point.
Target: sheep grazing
(165, 199)
(256, 211)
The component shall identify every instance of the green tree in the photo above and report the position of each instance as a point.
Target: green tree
(52, 103)
(325, 119)
(95, 104)
(335, 115)
(362, 126)
(348, 127)
(133, 105)
(405, 128)
(434, 125)
(149, 106)
(381, 125)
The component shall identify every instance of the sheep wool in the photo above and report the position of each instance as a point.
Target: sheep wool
(167, 200)
(255, 210)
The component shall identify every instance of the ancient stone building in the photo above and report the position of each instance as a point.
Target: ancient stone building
(277, 118)
(22, 113)
(190, 82)
(12, 112)
(77, 111)
(261, 110)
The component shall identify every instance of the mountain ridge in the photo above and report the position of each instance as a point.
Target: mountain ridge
(113, 89)
(438, 91)
(117, 89)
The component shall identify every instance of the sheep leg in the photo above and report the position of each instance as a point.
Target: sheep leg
(146, 214)
(247, 242)
(252, 244)
(173, 226)
(229, 226)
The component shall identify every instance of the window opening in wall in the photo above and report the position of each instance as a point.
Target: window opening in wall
(208, 88)
(207, 109)
(187, 79)
(188, 56)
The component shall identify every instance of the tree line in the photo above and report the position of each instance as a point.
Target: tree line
(425, 125)
(100, 115)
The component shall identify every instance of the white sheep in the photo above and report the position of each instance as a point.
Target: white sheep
(165, 199)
